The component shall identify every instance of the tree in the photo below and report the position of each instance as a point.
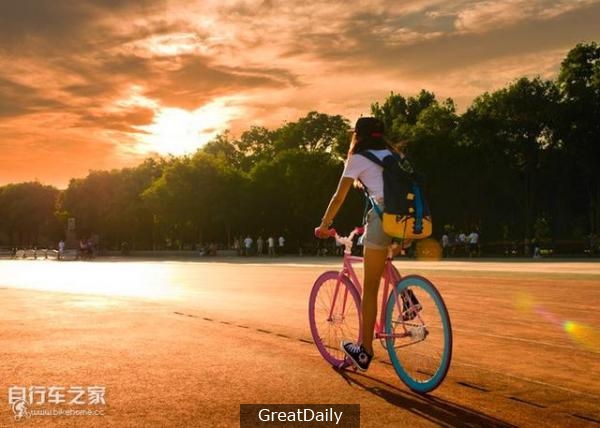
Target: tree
(256, 144)
(579, 85)
(130, 218)
(393, 114)
(506, 132)
(108, 203)
(291, 191)
(316, 132)
(225, 147)
(27, 214)
(400, 114)
(434, 150)
(195, 199)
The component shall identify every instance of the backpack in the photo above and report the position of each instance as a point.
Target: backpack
(405, 213)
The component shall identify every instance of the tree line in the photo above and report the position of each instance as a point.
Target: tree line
(521, 162)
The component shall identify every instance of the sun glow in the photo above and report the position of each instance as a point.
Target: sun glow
(151, 281)
(177, 131)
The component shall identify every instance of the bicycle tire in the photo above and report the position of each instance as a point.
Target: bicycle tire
(328, 332)
(422, 358)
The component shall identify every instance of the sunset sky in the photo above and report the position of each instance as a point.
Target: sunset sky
(102, 84)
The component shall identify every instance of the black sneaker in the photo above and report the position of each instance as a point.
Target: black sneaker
(410, 305)
(358, 354)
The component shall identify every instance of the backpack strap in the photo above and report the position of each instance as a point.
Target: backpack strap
(418, 226)
(376, 207)
(371, 157)
(367, 154)
(370, 202)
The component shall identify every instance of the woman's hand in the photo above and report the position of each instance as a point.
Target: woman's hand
(322, 231)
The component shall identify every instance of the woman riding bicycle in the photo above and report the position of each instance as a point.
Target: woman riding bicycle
(368, 135)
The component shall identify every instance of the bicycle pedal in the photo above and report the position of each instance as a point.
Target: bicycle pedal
(347, 364)
(343, 365)
(419, 333)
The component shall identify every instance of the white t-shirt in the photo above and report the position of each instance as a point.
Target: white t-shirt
(473, 238)
(368, 172)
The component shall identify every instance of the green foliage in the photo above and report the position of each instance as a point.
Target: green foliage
(27, 214)
(400, 114)
(507, 132)
(316, 132)
(108, 203)
(579, 128)
(290, 191)
(192, 200)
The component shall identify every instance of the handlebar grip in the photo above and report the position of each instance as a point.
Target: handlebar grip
(330, 233)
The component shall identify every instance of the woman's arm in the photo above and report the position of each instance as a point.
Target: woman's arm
(335, 203)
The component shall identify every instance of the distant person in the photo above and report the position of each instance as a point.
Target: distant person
(514, 249)
(536, 248)
(124, 248)
(473, 241)
(281, 242)
(82, 248)
(271, 246)
(445, 245)
(61, 249)
(237, 247)
(248, 245)
(259, 245)
(462, 242)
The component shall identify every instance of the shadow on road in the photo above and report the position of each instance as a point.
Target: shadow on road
(434, 409)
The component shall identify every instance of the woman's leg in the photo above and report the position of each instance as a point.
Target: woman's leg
(374, 263)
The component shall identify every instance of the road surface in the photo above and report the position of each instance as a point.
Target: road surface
(184, 343)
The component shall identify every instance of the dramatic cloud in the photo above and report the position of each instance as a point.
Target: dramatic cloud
(102, 83)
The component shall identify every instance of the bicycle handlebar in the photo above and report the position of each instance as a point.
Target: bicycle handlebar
(346, 241)
(332, 233)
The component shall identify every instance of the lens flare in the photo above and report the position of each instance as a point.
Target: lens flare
(524, 302)
(548, 316)
(428, 249)
(584, 335)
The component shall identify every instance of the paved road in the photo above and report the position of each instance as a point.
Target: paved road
(183, 343)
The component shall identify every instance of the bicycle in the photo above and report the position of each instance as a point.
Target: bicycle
(413, 324)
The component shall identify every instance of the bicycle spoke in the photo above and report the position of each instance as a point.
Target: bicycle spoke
(333, 314)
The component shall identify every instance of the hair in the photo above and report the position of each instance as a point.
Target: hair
(359, 144)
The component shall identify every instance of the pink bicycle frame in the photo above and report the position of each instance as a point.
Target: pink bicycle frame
(390, 276)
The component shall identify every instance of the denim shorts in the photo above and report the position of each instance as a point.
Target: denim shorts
(375, 237)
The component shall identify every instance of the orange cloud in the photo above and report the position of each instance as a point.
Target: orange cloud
(92, 85)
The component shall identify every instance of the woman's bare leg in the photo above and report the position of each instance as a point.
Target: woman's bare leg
(374, 262)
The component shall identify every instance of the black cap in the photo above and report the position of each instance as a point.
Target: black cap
(369, 127)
